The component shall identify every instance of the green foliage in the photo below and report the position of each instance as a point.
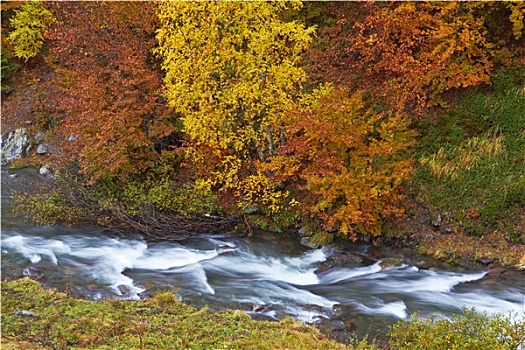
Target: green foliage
(472, 161)
(44, 208)
(29, 24)
(7, 69)
(471, 331)
(166, 196)
(160, 323)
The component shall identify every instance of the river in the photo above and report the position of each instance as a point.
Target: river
(269, 276)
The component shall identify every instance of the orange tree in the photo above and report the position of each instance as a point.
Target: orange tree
(346, 161)
(409, 54)
(108, 96)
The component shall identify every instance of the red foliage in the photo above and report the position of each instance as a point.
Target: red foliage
(109, 92)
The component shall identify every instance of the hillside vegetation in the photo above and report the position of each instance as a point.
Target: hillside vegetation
(400, 122)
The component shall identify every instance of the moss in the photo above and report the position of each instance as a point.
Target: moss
(163, 322)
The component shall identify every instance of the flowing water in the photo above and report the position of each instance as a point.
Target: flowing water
(268, 276)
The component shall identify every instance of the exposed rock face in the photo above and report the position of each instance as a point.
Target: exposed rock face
(15, 145)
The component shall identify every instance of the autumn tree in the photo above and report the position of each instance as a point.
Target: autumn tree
(30, 23)
(409, 54)
(112, 117)
(232, 72)
(347, 161)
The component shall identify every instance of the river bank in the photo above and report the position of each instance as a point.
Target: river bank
(415, 231)
(35, 318)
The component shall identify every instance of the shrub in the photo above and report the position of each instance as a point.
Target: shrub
(7, 69)
(468, 331)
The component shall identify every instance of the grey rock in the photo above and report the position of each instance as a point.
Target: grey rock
(42, 149)
(303, 231)
(437, 222)
(45, 170)
(224, 249)
(25, 313)
(447, 230)
(307, 242)
(15, 145)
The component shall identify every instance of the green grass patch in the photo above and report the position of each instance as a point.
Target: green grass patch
(38, 318)
(471, 161)
(61, 322)
(471, 331)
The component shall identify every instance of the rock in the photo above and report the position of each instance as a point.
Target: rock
(389, 262)
(224, 249)
(327, 325)
(251, 210)
(374, 253)
(307, 242)
(437, 222)
(303, 231)
(15, 145)
(350, 326)
(42, 149)
(377, 242)
(339, 260)
(39, 137)
(25, 313)
(123, 289)
(447, 230)
(485, 260)
(259, 308)
(45, 170)
(496, 271)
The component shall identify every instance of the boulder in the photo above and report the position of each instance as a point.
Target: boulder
(123, 289)
(308, 242)
(45, 170)
(342, 259)
(391, 262)
(15, 145)
(42, 149)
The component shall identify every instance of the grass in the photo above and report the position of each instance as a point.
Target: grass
(54, 320)
(62, 322)
(471, 170)
(471, 331)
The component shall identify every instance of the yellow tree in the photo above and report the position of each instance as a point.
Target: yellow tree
(232, 72)
(29, 23)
